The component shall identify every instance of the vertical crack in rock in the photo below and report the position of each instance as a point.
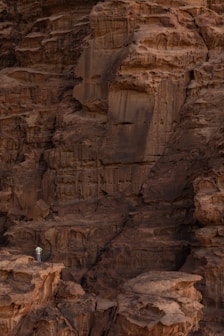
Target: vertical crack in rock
(105, 249)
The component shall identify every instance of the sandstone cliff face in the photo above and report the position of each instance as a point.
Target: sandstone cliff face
(24, 287)
(34, 301)
(109, 111)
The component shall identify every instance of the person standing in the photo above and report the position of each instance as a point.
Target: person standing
(38, 253)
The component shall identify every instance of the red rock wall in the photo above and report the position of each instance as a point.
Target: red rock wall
(108, 113)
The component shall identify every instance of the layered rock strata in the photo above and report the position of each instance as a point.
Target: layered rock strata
(207, 252)
(24, 286)
(108, 113)
(35, 301)
(158, 303)
(77, 241)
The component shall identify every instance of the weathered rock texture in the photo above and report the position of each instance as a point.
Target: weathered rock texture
(111, 114)
(164, 303)
(34, 301)
(24, 287)
(207, 253)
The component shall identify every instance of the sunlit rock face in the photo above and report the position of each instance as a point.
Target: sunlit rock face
(159, 303)
(35, 301)
(111, 151)
(24, 286)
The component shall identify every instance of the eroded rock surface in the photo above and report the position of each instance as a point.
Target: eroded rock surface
(35, 301)
(76, 241)
(207, 254)
(109, 111)
(24, 286)
(159, 303)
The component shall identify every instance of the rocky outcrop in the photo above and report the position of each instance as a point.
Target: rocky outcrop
(158, 303)
(24, 286)
(109, 111)
(35, 300)
(207, 254)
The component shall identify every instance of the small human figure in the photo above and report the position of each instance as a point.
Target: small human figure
(38, 253)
